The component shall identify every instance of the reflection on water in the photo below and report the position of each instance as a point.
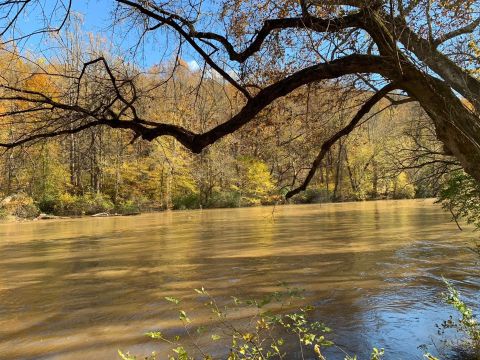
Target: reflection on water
(75, 289)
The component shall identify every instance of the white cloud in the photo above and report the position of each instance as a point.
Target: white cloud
(193, 65)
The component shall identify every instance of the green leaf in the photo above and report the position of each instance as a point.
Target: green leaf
(183, 316)
(156, 335)
(172, 299)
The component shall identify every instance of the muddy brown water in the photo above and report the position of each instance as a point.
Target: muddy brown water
(83, 288)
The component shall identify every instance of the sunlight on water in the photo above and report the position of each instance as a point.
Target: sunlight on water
(76, 289)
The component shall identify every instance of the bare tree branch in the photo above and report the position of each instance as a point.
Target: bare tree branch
(467, 29)
(365, 109)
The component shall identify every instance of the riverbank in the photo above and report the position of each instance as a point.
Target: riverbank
(43, 217)
(21, 207)
(29, 205)
(9, 218)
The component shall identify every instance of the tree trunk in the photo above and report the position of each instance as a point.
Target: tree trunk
(338, 172)
(375, 180)
(456, 126)
(350, 173)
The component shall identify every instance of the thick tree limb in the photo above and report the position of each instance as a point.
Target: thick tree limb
(170, 21)
(347, 65)
(353, 20)
(150, 130)
(118, 95)
(456, 125)
(271, 25)
(366, 19)
(454, 75)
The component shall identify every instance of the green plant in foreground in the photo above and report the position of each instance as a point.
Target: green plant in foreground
(461, 197)
(467, 324)
(269, 334)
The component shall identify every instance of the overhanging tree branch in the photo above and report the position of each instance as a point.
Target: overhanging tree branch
(170, 21)
(406, 57)
(454, 75)
(326, 146)
(150, 130)
(347, 65)
(271, 25)
(467, 29)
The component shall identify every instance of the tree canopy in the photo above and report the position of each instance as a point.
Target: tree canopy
(424, 51)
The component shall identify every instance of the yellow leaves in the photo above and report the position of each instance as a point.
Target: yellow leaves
(317, 351)
(467, 103)
(248, 337)
(41, 83)
(475, 49)
(256, 178)
(262, 324)
(403, 188)
(22, 75)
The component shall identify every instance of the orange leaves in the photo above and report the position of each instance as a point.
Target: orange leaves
(246, 15)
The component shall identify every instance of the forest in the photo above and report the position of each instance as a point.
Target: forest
(393, 155)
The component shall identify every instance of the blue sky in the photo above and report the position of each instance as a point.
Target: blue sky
(97, 19)
(96, 13)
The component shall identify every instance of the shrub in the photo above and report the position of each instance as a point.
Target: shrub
(20, 206)
(91, 203)
(218, 199)
(47, 204)
(467, 344)
(188, 201)
(467, 324)
(313, 196)
(460, 196)
(74, 205)
(127, 207)
(67, 204)
(226, 199)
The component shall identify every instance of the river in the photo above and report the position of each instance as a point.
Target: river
(83, 288)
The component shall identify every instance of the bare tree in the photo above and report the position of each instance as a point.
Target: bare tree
(426, 49)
